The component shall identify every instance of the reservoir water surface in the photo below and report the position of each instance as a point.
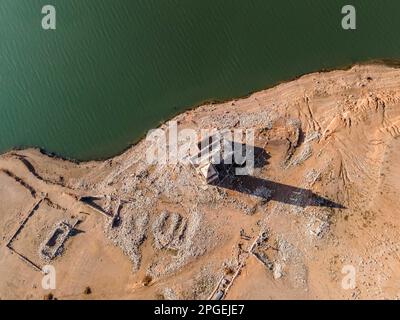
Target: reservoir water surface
(115, 68)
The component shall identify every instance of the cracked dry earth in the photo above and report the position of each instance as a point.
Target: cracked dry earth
(322, 200)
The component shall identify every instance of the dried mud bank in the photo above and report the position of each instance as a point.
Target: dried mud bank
(323, 197)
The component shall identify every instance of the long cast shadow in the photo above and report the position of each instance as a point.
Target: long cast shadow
(270, 190)
(267, 189)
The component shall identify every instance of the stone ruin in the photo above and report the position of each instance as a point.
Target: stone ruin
(128, 232)
(169, 231)
(54, 243)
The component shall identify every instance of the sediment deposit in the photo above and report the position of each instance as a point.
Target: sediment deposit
(323, 197)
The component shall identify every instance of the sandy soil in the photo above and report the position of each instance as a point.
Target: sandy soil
(322, 199)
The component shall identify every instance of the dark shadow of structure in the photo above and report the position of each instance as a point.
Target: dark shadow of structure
(91, 201)
(74, 232)
(279, 192)
(274, 191)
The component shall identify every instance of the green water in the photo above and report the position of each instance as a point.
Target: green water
(115, 68)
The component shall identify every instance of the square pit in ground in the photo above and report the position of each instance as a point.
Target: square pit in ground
(15, 202)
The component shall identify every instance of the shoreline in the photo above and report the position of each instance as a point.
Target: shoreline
(391, 63)
(321, 184)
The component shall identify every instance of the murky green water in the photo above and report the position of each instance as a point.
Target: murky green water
(115, 68)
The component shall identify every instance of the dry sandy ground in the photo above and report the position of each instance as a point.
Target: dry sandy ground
(322, 200)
